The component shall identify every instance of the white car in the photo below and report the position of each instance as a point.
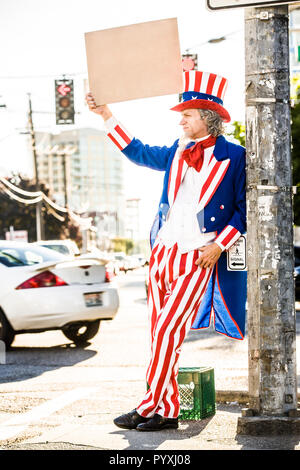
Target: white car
(70, 248)
(65, 247)
(43, 290)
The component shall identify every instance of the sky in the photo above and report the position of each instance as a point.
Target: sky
(41, 40)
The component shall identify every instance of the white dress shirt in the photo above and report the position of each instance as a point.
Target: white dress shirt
(181, 224)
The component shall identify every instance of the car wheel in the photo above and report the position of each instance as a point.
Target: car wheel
(81, 333)
(7, 334)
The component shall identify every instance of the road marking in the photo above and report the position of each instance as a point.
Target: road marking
(19, 423)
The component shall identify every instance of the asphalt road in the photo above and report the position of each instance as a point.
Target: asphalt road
(50, 389)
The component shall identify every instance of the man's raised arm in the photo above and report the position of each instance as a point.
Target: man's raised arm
(153, 157)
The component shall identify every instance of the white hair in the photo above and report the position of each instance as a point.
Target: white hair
(214, 122)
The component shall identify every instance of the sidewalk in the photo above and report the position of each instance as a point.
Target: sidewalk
(218, 432)
(215, 433)
(122, 384)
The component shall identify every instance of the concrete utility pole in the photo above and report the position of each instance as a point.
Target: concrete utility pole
(39, 217)
(271, 303)
(63, 156)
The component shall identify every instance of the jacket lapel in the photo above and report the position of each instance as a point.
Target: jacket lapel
(216, 171)
(176, 175)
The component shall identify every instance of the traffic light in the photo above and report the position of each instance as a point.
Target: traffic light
(189, 62)
(64, 101)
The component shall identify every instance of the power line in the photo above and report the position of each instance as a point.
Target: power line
(19, 190)
(39, 196)
(19, 199)
(32, 194)
(33, 201)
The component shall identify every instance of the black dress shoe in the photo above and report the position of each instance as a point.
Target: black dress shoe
(157, 423)
(130, 420)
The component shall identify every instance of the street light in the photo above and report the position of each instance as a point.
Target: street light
(216, 40)
(212, 41)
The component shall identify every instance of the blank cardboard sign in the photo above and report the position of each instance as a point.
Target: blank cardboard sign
(135, 61)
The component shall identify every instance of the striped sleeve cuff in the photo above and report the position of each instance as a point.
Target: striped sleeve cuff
(117, 133)
(227, 237)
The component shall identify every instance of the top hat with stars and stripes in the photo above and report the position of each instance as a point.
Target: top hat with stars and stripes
(203, 90)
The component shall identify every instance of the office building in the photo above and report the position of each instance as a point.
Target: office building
(89, 177)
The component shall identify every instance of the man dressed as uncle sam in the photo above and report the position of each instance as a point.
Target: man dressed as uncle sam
(201, 214)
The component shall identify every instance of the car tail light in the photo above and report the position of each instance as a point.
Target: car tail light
(44, 279)
(109, 275)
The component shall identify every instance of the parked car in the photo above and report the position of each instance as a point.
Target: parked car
(122, 261)
(65, 247)
(141, 260)
(147, 280)
(45, 290)
(297, 283)
(297, 255)
(297, 272)
(131, 263)
(70, 248)
(127, 262)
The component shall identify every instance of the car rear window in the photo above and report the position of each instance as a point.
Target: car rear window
(26, 256)
(59, 248)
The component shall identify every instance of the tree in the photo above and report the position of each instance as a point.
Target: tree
(238, 132)
(122, 244)
(23, 216)
(295, 114)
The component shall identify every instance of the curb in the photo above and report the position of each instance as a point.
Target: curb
(238, 396)
(229, 396)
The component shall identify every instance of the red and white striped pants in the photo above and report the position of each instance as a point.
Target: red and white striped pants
(176, 288)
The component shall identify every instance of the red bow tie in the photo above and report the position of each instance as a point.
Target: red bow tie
(194, 155)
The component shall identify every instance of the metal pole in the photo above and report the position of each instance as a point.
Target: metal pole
(65, 180)
(38, 207)
(271, 303)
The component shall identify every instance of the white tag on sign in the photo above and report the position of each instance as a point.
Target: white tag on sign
(236, 255)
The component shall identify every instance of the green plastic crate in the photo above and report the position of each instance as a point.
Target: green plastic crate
(196, 392)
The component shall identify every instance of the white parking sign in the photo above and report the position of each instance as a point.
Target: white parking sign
(236, 255)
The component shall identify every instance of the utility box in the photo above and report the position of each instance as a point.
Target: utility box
(196, 392)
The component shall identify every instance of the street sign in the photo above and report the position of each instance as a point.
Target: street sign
(224, 4)
(17, 235)
(236, 255)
